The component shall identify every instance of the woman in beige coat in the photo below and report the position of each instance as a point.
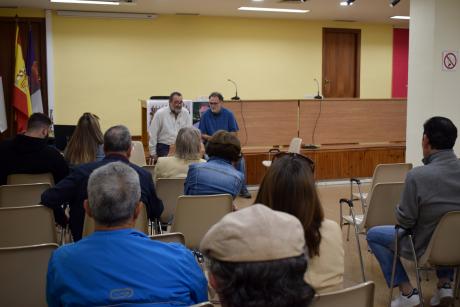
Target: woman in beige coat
(289, 186)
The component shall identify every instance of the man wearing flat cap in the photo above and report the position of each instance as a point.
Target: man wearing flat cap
(251, 260)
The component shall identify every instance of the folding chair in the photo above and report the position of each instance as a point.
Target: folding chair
(294, 147)
(142, 222)
(442, 251)
(168, 190)
(392, 172)
(382, 203)
(361, 295)
(30, 225)
(30, 178)
(22, 194)
(172, 237)
(150, 169)
(196, 214)
(138, 154)
(23, 272)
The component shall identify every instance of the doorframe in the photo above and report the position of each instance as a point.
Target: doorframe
(357, 32)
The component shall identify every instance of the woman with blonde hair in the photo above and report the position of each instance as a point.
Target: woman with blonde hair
(289, 186)
(188, 150)
(86, 143)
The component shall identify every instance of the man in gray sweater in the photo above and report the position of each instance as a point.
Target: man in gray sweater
(430, 191)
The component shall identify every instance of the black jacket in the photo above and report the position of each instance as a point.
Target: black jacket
(73, 190)
(28, 155)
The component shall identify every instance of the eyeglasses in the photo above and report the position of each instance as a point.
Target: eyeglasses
(293, 155)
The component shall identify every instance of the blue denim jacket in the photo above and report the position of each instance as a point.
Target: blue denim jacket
(217, 176)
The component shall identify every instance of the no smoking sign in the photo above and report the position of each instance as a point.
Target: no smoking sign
(449, 60)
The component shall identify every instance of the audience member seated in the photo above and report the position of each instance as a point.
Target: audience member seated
(187, 151)
(118, 265)
(217, 175)
(256, 258)
(29, 153)
(430, 191)
(289, 186)
(87, 142)
(73, 188)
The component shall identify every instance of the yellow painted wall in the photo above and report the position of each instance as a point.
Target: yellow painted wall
(105, 65)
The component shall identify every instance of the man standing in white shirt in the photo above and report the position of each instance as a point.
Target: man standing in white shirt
(165, 125)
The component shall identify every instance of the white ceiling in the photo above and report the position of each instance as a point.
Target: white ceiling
(363, 10)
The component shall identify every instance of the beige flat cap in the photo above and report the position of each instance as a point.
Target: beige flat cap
(256, 233)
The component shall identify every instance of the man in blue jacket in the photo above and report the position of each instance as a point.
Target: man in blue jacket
(117, 265)
(73, 188)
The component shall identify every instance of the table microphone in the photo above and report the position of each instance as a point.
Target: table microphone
(236, 90)
(318, 96)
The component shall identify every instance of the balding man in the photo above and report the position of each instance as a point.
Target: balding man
(117, 265)
(72, 189)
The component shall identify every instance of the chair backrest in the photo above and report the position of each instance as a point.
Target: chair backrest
(22, 194)
(168, 190)
(442, 250)
(392, 172)
(30, 178)
(361, 295)
(204, 304)
(172, 237)
(150, 169)
(195, 214)
(138, 154)
(142, 222)
(31, 225)
(382, 203)
(23, 271)
(295, 144)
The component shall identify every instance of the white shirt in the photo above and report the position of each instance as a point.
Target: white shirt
(165, 126)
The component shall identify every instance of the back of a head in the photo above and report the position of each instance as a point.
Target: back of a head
(83, 145)
(113, 193)
(224, 145)
(188, 143)
(441, 132)
(38, 121)
(289, 186)
(252, 261)
(117, 139)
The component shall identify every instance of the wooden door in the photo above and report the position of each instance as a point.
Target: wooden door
(341, 62)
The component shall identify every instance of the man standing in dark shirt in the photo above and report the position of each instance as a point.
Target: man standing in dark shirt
(29, 153)
(73, 188)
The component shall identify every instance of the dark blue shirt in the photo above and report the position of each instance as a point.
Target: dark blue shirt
(118, 267)
(73, 190)
(224, 120)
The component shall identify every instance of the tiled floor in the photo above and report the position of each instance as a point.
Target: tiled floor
(330, 194)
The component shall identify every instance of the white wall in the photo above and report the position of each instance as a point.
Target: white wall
(434, 27)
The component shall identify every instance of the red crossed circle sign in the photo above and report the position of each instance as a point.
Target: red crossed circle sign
(450, 60)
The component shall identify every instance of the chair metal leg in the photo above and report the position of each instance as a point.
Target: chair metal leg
(363, 201)
(417, 269)
(393, 269)
(457, 284)
(361, 261)
(348, 232)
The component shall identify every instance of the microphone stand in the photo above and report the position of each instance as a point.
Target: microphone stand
(236, 90)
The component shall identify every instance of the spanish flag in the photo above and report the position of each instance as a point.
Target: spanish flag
(21, 95)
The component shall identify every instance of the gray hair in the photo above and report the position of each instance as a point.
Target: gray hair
(113, 193)
(188, 143)
(117, 139)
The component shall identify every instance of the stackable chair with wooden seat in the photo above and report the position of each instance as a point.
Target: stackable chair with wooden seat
(361, 295)
(391, 172)
(142, 223)
(294, 147)
(443, 251)
(30, 178)
(23, 271)
(195, 214)
(20, 226)
(22, 194)
(382, 203)
(169, 190)
(138, 154)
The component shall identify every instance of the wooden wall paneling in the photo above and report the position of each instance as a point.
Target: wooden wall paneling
(272, 122)
(354, 121)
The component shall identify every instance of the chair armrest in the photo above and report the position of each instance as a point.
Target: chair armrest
(355, 180)
(349, 202)
(404, 232)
